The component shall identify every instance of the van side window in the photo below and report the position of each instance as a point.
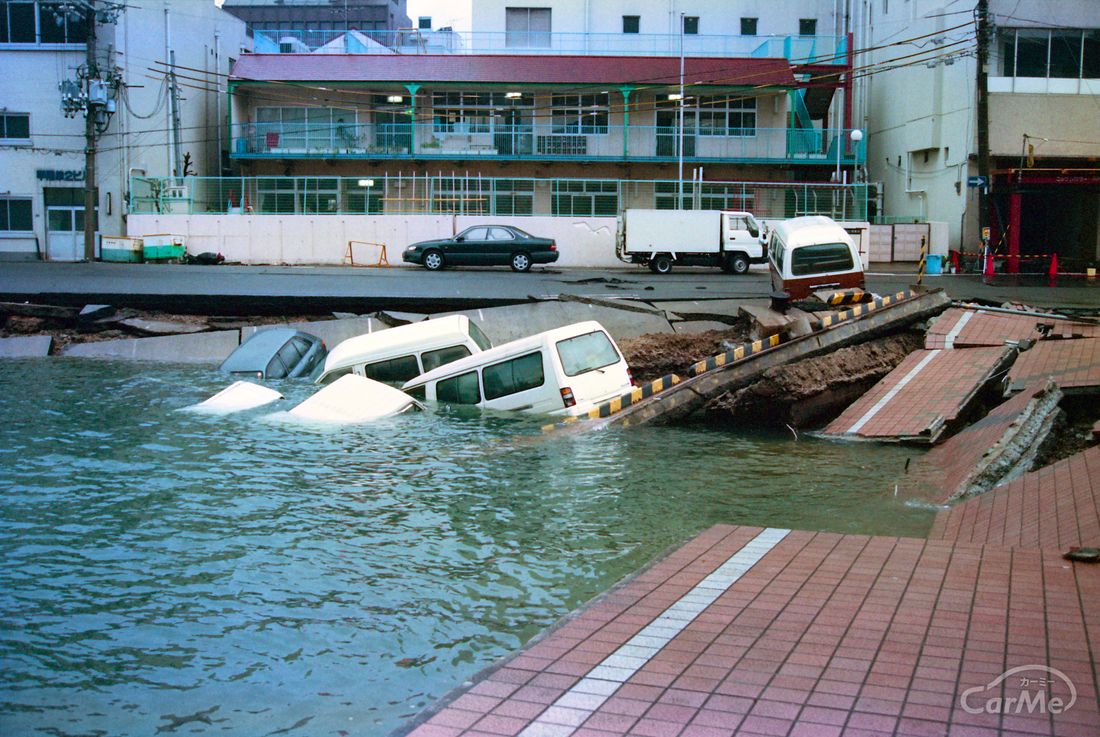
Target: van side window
(436, 358)
(417, 392)
(586, 353)
(821, 258)
(461, 389)
(394, 370)
(336, 374)
(516, 375)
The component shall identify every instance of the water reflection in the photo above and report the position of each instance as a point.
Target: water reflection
(188, 573)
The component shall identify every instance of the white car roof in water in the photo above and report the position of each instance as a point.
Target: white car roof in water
(352, 399)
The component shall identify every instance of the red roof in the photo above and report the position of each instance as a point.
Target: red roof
(499, 69)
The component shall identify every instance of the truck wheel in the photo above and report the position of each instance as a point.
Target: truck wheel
(660, 264)
(736, 263)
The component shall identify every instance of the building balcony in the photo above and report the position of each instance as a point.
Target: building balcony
(796, 49)
(544, 142)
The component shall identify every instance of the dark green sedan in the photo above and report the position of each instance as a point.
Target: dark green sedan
(484, 245)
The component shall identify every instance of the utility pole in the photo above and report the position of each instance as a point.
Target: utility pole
(89, 140)
(986, 187)
(177, 133)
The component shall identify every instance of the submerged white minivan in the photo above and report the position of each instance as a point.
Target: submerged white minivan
(398, 354)
(565, 371)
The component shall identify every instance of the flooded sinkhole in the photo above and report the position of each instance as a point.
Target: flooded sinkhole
(178, 573)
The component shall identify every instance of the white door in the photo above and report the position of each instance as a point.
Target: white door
(64, 233)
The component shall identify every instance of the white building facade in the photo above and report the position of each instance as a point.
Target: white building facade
(42, 151)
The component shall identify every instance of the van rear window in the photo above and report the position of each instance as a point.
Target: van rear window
(586, 353)
(821, 258)
(435, 359)
(479, 337)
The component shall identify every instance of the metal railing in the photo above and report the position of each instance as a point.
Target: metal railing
(543, 141)
(428, 194)
(798, 49)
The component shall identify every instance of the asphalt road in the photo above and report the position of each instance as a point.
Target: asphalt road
(288, 289)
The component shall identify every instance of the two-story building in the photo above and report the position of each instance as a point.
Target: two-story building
(42, 45)
(560, 109)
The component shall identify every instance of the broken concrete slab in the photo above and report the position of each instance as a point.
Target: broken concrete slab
(27, 309)
(720, 310)
(504, 324)
(922, 399)
(95, 312)
(615, 304)
(1074, 364)
(141, 326)
(698, 326)
(333, 332)
(994, 450)
(394, 318)
(29, 346)
(766, 322)
(211, 347)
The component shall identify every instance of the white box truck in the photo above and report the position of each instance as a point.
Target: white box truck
(660, 238)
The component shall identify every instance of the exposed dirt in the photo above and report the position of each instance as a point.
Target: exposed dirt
(1071, 434)
(657, 354)
(66, 331)
(813, 391)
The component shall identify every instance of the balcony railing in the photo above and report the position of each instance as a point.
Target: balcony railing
(797, 49)
(540, 142)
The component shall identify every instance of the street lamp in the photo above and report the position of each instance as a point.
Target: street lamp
(368, 183)
(856, 136)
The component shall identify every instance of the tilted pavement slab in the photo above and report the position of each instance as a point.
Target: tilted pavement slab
(25, 346)
(997, 448)
(333, 332)
(753, 631)
(961, 327)
(1056, 507)
(504, 324)
(194, 348)
(920, 399)
(1073, 364)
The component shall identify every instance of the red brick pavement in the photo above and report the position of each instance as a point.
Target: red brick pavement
(1074, 364)
(1054, 507)
(952, 468)
(968, 328)
(826, 635)
(941, 386)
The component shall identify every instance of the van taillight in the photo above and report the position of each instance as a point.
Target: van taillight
(630, 376)
(567, 396)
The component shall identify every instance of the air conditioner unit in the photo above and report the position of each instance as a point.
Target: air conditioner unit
(177, 192)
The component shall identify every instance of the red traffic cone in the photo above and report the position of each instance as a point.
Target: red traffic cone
(1053, 271)
(955, 268)
(988, 265)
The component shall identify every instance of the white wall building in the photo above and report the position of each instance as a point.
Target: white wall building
(1044, 92)
(42, 152)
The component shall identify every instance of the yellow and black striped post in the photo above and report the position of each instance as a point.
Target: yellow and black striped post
(923, 257)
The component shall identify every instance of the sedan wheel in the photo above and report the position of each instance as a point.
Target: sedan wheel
(433, 260)
(521, 262)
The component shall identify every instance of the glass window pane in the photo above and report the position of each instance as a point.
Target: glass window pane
(1091, 61)
(1031, 53)
(275, 369)
(748, 26)
(394, 370)
(437, 358)
(514, 376)
(290, 355)
(21, 18)
(328, 379)
(60, 221)
(691, 25)
(807, 26)
(631, 23)
(16, 126)
(462, 389)
(1065, 54)
(19, 215)
(51, 30)
(586, 352)
(479, 337)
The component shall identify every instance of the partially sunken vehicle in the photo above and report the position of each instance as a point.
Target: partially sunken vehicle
(395, 355)
(565, 371)
(276, 353)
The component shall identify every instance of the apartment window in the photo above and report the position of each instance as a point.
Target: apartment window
(527, 27)
(15, 215)
(580, 113)
(1057, 53)
(424, 23)
(300, 195)
(727, 116)
(584, 197)
(37, 21)
(748, 26)
(691, 25)
(631, 23)
(306, 128)
(807, 26)
(15, 127)
(474, 112)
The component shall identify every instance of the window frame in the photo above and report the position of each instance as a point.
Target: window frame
(5, 223)
(725, 108)
(807, 268)
(526, 38)
(632, 22)
(393, 360)
(747, 22)
(802, 25)
(568, 114)
(72, 35)
(5, 139)
(691, 25)
(587, 369)
(456, 378)
(513, 388)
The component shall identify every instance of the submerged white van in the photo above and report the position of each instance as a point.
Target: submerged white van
(396, 355)
(565, 371)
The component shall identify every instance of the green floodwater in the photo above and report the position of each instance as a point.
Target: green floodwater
(173, 573)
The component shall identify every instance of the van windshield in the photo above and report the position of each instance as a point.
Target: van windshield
(586, 353)
(821, 258)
